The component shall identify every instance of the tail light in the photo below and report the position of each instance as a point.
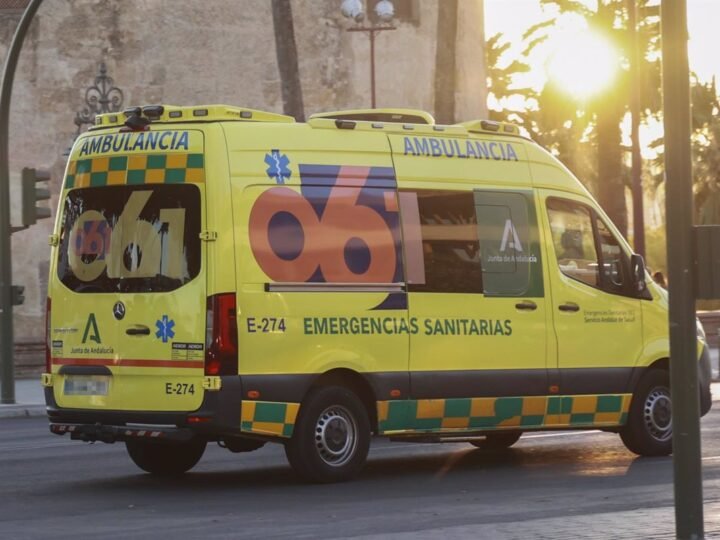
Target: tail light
(221, 337)
(48, 337)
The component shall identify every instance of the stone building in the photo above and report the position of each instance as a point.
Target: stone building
(217, 51)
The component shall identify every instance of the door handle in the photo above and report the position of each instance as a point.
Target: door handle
(569, 306)
(526, 305)
(138, 330)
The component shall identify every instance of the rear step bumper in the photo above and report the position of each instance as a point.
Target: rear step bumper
(111, 434)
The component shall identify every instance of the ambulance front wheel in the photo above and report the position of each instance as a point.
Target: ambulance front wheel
(648, 431)
(331, 438)
(164, 458)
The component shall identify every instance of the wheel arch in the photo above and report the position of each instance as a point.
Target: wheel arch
(638, 373)
(357, 384)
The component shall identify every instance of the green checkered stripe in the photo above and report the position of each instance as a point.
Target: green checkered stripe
(473, 414)
(136, 169)
(268, 417)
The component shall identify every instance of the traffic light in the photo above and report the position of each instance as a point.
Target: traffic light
(31, 194)
(18, 295)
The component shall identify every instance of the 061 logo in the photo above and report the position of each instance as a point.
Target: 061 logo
(342, 227)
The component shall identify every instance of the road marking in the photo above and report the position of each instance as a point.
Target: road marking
(26, 447)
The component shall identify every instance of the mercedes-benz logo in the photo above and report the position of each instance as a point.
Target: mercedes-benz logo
(119, 310)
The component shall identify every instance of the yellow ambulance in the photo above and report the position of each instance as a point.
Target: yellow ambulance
(220, 274)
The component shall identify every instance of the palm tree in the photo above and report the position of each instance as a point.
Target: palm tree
(445, 61)
(574, 129)
(287, 59)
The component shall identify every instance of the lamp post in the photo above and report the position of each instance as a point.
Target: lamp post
(384, 12)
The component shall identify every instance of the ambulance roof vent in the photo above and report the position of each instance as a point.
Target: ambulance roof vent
(490, 126)
(399, 116)
(171, 113)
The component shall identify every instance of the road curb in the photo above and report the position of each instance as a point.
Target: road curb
(22, 411)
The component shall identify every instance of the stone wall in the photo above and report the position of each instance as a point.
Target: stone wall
(217, 51)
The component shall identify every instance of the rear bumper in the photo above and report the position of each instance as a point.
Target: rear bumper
(218, 415)
(111, 434)
(704, 381)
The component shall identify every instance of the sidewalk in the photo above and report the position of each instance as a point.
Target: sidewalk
(30, 401)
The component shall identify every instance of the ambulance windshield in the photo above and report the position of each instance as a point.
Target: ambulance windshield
(131, 239)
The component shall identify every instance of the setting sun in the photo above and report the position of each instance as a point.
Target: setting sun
(582, 63)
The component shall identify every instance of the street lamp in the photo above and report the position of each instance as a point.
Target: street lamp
(384, 12)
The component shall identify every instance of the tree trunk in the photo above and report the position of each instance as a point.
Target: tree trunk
(611, 188)
(287, 59)
(445, 61)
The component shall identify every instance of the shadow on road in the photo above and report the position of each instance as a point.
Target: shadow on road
(449, 467)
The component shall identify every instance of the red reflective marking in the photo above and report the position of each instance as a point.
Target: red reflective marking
(126, 363)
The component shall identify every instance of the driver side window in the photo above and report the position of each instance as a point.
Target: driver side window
(586, 249)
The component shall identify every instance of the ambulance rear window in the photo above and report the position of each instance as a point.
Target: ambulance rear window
(130, 239)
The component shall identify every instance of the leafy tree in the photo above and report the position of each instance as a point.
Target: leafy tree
(582, 132)
(706, 150)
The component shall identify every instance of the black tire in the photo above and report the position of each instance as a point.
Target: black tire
(648, 431)
(163, 458)
(498, 441)
(331, 438)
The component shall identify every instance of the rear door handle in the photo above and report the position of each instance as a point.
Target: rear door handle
(138, 330)
(569, 306)
(526, 305)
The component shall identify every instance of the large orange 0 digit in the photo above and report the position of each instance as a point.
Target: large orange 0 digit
(283, 229)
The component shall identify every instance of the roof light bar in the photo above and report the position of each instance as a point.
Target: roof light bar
(153, 112)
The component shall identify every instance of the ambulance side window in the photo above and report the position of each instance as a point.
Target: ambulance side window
(442, 250)
(572, 234)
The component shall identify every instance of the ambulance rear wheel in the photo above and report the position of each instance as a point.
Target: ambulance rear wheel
(498, 441)
(648, 431)
(164, 458)
(331, 438)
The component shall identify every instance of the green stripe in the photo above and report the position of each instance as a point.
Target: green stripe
(270, 412)
(195, 161)
(98, 179)
(136, 176)
(118, 163)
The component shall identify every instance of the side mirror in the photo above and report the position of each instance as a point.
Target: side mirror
(637, 265)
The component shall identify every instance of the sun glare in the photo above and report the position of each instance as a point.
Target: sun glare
(582, 63)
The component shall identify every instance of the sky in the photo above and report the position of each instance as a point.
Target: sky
(513, 17)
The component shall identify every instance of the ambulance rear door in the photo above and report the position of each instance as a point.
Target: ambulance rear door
(128, 287)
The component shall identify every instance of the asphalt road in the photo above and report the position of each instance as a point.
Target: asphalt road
(550, 485)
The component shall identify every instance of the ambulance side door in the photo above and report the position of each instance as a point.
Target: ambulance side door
(597, 314)
(476, 295)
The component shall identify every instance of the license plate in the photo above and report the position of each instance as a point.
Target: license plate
(86, 386)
